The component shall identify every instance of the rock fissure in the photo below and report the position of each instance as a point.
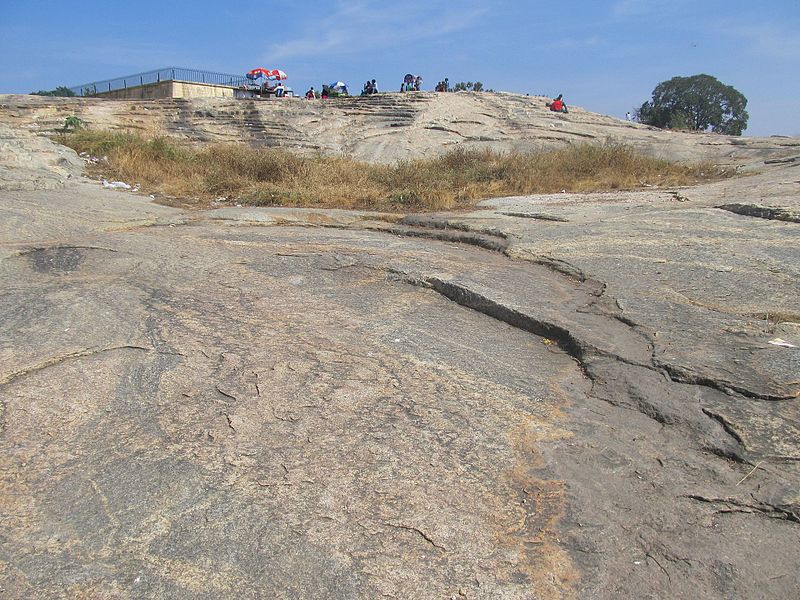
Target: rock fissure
(732, 505)
(771, 213)
(583, 353)
(419, 532)
(65, 357)
(683, 375)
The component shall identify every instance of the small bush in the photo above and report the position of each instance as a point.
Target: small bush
(74, 123)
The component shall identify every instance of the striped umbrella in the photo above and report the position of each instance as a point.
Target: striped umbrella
(271, 74)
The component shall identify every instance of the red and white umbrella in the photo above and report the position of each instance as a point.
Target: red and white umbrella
(271, 74)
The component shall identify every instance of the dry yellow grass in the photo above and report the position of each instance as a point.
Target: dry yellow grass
(459, 179)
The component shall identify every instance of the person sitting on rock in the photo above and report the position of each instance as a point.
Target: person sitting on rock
(279, 90)
(326, 92)
(558, 105)
(310, 94)
(374, 87)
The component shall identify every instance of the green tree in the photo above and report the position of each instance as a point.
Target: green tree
(59, 91)
(469, 86)
(700, 102)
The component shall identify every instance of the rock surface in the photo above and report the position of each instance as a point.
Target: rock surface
(552, 396)
(387, 127)
(30, 162)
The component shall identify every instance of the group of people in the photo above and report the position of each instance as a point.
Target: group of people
(411, 83)
(313, 94)
(369, 88)
(327, 92)
(443, 86)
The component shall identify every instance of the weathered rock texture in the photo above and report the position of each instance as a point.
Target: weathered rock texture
(386, 127)
(30, 162)
(553, 396)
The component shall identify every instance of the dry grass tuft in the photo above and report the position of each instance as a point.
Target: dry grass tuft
(267, 177)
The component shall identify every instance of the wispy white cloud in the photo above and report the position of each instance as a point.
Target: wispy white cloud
(360, 25)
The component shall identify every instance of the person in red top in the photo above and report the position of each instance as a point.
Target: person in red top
(558, 105)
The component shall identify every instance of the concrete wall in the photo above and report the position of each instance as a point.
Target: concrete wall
(185, 89)
(169, 89)
(151, 91)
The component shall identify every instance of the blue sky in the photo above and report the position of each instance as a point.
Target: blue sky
(604, 56)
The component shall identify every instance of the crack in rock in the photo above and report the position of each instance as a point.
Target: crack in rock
(762, 212)
(536, 216)
(734, 505)
(688, 376)
(56, 360)
(482, 240)
(583, 352)
(426, 222)
(419, 532)
(65, 357)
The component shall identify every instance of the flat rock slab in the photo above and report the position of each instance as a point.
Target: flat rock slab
(279, 403)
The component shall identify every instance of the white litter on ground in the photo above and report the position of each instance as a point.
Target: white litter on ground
(116, 185)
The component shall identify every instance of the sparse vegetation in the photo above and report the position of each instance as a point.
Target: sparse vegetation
(468, 86)
(454, 180)
(73, 123)
(59, 91)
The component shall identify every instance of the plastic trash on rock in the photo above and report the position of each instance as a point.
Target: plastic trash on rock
(116, 185)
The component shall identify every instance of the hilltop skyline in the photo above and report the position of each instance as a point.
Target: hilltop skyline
(604, 56)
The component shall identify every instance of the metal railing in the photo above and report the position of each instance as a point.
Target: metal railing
(166, 74)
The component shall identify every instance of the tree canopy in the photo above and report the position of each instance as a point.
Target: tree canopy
(59, 91)
(468, 86)
(699, 102)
